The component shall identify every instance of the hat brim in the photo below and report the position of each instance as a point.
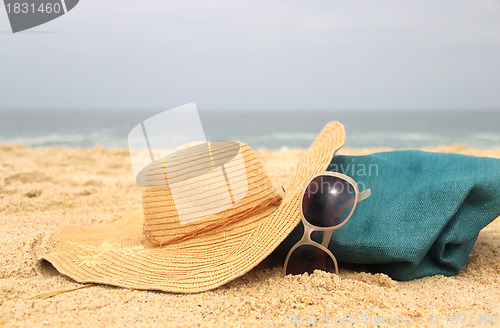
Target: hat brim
(113, 253)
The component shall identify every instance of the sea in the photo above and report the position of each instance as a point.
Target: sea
(272, 129)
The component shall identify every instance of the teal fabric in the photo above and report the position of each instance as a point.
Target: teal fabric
(424, 214)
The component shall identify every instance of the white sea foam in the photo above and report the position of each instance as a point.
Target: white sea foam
(369, 129)
(284, 136)
(71, 140)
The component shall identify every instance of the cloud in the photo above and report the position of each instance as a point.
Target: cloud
(258, 54)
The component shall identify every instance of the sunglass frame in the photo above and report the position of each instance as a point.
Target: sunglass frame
(309, 228)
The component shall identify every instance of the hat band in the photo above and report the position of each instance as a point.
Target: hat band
(224, 221)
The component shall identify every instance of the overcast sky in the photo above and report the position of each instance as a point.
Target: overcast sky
(158, 54)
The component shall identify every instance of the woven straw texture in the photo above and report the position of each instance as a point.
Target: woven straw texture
(118, 253)
(161, 217)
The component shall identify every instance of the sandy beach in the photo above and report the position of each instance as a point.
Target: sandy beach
(43, 188)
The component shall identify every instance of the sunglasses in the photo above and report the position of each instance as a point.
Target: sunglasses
(328, 202)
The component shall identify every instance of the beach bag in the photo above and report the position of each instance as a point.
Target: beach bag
(423, 216)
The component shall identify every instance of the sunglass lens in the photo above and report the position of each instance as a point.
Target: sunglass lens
(328, 201)
(307, 258)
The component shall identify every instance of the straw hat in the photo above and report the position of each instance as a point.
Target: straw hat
(213, 234)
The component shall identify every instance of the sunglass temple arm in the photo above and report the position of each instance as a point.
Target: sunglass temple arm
(364, 195)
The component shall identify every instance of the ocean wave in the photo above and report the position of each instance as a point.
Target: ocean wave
(284, 136)
(67, 140)
(274, 140)
(486, 136)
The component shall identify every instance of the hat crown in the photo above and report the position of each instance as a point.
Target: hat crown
(198, 186)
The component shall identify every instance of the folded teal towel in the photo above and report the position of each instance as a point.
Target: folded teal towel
(423, 216)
